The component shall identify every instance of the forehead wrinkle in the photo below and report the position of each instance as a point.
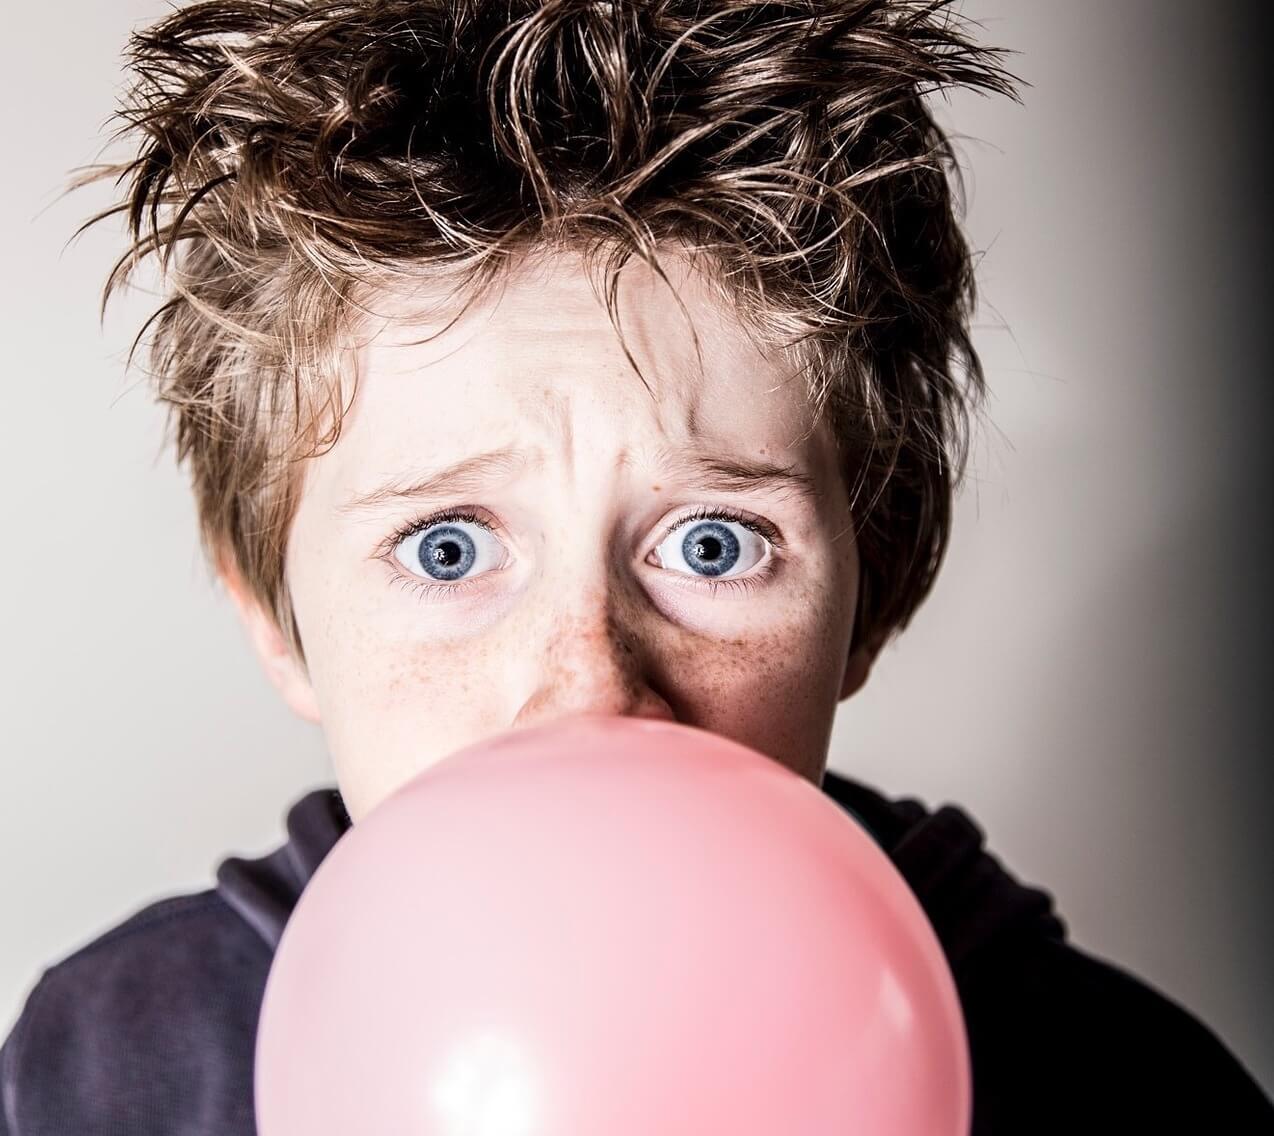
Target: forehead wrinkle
(551, 410)
(692, 415)
(690, 398)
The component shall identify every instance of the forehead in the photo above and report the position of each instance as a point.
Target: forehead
(537, 364)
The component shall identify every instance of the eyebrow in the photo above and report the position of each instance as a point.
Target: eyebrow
(732, 474)
(719, 473)
(471, 475)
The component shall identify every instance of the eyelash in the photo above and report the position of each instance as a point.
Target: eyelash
(703, 513)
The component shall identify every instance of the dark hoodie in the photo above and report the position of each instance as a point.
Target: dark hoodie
(149, 1030)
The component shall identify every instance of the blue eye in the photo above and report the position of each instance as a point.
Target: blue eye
(448, 549)
(712, 547)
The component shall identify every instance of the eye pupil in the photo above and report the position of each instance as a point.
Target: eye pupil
(446, 554)
(709, 548)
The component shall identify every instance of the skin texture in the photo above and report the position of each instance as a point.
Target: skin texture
(578, 603)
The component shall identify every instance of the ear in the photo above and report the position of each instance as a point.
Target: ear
(859, 664)
(282, 667)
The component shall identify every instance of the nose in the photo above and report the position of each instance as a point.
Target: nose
(589, 658)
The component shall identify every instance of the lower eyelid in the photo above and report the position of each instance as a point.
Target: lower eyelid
(425, 588)
(687, 581)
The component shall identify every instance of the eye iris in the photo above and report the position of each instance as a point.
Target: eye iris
(710, 548)
(447, 552)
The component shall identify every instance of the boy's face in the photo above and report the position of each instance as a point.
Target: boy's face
(580, 579)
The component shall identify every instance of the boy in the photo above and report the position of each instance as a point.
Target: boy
(449, 498)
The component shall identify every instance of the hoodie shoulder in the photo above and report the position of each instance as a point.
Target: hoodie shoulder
(973, 903)
(151, 1027)
(1061, 1041)
(151, 1023)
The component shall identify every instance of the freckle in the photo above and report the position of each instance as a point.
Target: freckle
(656, 488)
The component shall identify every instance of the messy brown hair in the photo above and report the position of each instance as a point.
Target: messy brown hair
(289, 155)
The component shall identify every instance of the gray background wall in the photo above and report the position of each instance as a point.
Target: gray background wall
(1087, 679)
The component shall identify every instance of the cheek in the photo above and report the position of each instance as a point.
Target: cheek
(391, 707)
(439, 685)
(776, 690)
(374, 653)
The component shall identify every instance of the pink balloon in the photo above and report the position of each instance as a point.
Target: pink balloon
(609, 927)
